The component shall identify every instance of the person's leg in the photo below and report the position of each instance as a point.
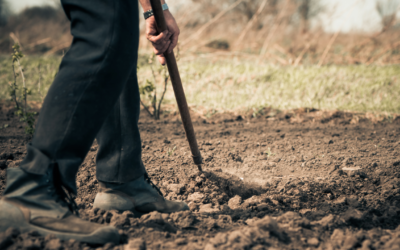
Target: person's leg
(124, 184)
(92, 74)
(119, 158)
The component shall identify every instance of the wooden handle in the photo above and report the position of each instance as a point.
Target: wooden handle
(177, 86)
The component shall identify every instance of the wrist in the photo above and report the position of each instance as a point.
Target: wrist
(149, 13)
(146, 5)
(167, 15)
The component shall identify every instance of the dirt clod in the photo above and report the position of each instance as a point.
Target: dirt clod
(136, 244)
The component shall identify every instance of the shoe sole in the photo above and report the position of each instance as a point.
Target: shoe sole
(11, 216)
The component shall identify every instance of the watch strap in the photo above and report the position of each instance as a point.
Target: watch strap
(150, 13)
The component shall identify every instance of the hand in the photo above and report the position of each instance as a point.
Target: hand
(165, 41)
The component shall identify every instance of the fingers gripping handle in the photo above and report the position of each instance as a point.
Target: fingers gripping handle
(177, 86)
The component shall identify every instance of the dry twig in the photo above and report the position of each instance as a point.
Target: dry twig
(300, 57)
(250, 23)
(206, 25)
(273, 29)
(328, 47)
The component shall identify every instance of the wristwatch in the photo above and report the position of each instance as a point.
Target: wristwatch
(150, 13)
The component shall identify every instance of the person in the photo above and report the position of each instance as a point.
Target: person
(94, 96)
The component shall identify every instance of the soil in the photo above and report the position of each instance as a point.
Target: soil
(300, 179)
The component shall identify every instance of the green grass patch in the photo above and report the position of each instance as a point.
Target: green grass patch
(243, 84)
(30, 65)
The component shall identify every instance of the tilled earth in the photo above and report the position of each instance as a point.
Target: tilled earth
(302, 179)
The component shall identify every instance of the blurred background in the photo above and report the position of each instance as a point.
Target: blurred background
(237, 54)
(280, 31)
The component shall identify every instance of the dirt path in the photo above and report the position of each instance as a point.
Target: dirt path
(297, 180)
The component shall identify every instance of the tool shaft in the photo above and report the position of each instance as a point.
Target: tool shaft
(177, 86)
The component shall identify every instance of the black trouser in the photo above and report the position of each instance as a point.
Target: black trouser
(94, 95)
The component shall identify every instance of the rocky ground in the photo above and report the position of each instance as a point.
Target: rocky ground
(301, 179)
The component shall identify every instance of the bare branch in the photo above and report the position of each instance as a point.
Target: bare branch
(165, 90)
(328, 47)
(250, 23)
(146, 108)
(205, 26)
(15, 87)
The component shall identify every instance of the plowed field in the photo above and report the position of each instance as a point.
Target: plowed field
(302, 179)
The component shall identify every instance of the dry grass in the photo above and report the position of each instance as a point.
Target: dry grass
(233, 83)
(237, 83)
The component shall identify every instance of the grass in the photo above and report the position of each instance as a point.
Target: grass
(30, 65)
(245, 84)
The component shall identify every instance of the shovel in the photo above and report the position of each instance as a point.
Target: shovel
(177, 86)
